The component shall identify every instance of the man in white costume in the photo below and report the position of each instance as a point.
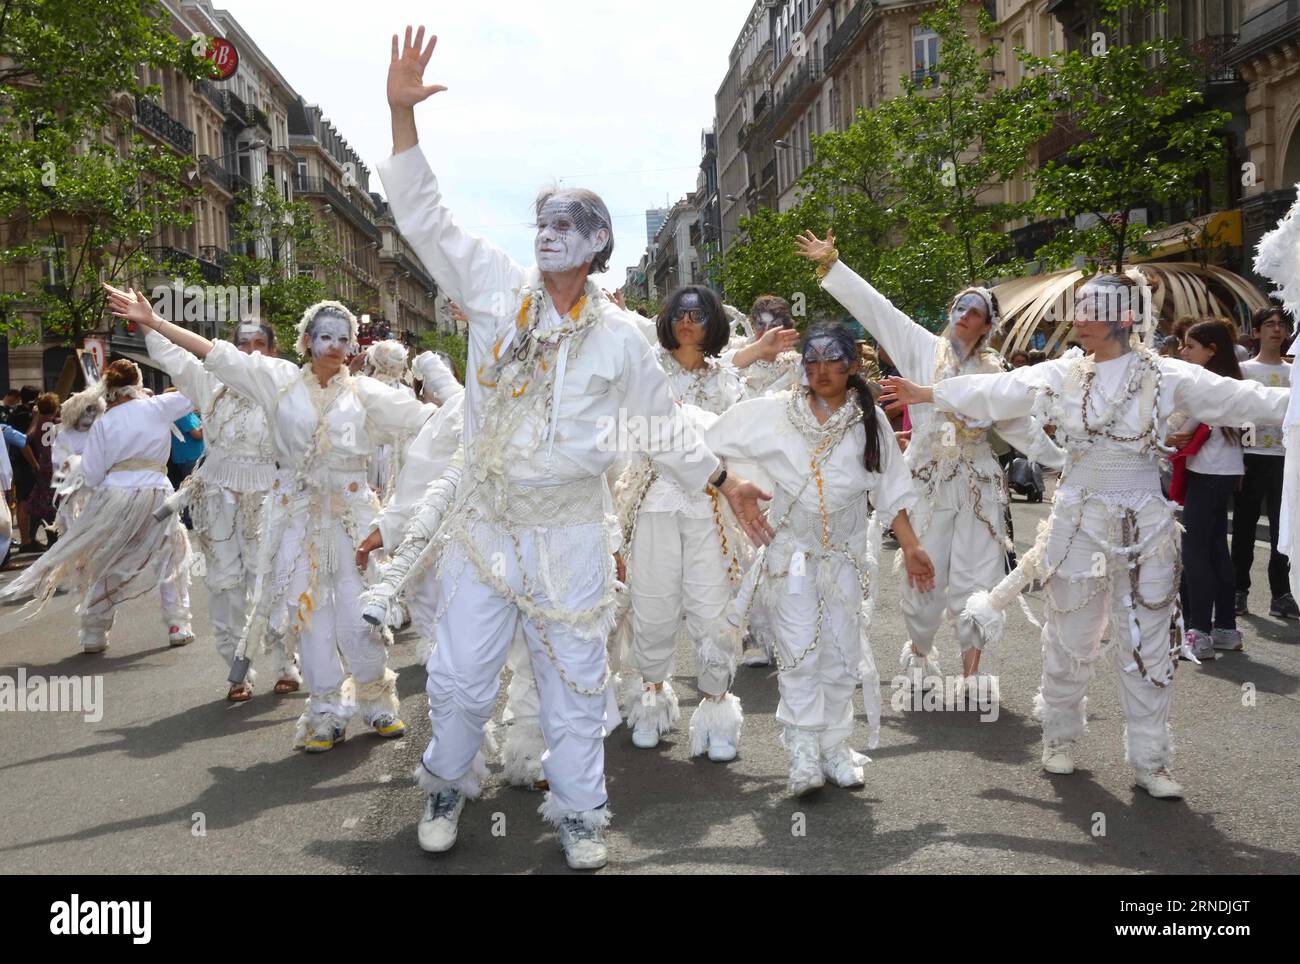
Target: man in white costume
(960, 510)
(551, 361)
(227, 492)
(1110, 554)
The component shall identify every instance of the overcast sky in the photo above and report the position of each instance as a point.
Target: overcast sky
(606, 94)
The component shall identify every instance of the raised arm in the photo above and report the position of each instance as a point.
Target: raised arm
(393, 412)
(909, 345)
(185, 369)
(134, 306)
(473, 272)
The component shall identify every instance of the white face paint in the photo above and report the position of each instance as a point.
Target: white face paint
(567, 236)
(329, 331)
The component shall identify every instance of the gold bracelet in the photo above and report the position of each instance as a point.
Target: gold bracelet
(826, 261)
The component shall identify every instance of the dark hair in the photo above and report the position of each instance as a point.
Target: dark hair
(1217, 335)
(1018, 352)
(268, 330)
(717, 331)
(1037, 356)
(871, 450)
(597, 214)
(29, 393)
(774, 304)
(1266, 314)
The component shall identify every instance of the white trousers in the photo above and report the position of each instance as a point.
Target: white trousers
(817, 690)
(333, 626)
(966, 559)
(226, 530)
(676, 565)
(472, 641)
(1082, 607)
(97, 618)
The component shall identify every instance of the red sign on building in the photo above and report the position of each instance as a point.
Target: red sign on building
(224, 55)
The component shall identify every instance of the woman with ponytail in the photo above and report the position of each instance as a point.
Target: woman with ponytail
(828, 451)
(124, 541)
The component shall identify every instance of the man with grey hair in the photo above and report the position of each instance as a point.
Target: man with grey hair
(553, 367)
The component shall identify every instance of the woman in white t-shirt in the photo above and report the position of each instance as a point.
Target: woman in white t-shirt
(1213, 476)
(124, 542)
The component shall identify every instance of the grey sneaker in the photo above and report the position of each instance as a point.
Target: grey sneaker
(1284, 606)
(388, 726)
(1201, 645)
(1242, 607)
(438, 827)
(1229, 639)
(584, 846)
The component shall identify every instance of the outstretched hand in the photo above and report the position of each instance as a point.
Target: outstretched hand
(129, 305)
(406, 86)
(776, 341)
(899, 393)
(743, 498)
(812, 247)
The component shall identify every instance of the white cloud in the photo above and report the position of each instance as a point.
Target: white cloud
(537, 91)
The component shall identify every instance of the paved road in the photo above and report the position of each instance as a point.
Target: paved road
(946, 793)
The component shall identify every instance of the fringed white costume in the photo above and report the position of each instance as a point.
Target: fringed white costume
(960, 486)
(115, 548)
(226, 494)
(818, 576)
(307, 583)
(1110, 556)
(386, 363)
(532, 533)
(682, 567)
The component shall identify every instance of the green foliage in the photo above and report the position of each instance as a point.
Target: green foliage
(78, 186)
(453, 345)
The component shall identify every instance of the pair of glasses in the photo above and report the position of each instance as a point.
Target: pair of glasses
(696, 316)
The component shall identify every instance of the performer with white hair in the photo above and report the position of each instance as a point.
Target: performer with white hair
(124, 542)
(325, 424)
(1110, 552)
(226, 494)
(960, 515)
(828, 450)
(552, 365)
(386, 363)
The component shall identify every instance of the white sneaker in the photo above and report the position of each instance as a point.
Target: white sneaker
(720, 750)
(652, 715)
(179, 636)
(438, 827)
(584, 846)
(1058, 757)
(922, 672)
(844, 767)
(756, 656)
(1229, 639)
(1160, 784)
(1200, 645)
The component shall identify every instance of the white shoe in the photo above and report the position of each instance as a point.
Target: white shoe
(584, 846)
(844, 767)
(1160, 784)
(95, 646)
(805, 761)
(721, 751)
(1200, 644)
(652, 715)
(756, 656)
(922, 672)
(1058, 757)
(1229, 639)
(715, 727)
(438, 826)
(179, 636)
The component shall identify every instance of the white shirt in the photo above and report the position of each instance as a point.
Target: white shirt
(612, 376)
(1268, 438)
(138, 429)
(364, 414)
(240, 454)
(1219, 455)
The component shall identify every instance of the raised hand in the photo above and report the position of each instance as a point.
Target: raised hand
(812, 247)
(775, 341)
(406, 86)
(130, 305)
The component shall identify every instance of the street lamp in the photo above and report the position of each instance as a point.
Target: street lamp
(787, 146)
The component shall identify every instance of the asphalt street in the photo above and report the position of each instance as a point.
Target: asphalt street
(174, 779)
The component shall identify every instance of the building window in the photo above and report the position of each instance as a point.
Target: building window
(925, 53)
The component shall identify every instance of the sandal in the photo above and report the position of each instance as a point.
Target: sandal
(239, 693)
(285, 686)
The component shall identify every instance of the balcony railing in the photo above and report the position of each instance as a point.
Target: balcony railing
(844, 35)
(344, 205)
(212, 169)
(800, 89)
(1063, 136)
(1210, 51)
(153, 117)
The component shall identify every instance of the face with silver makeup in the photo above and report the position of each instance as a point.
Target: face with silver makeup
(1105, 309)
(329, 336)
(572, 231)
(970, 320)
(828, 362)
(253, 337)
